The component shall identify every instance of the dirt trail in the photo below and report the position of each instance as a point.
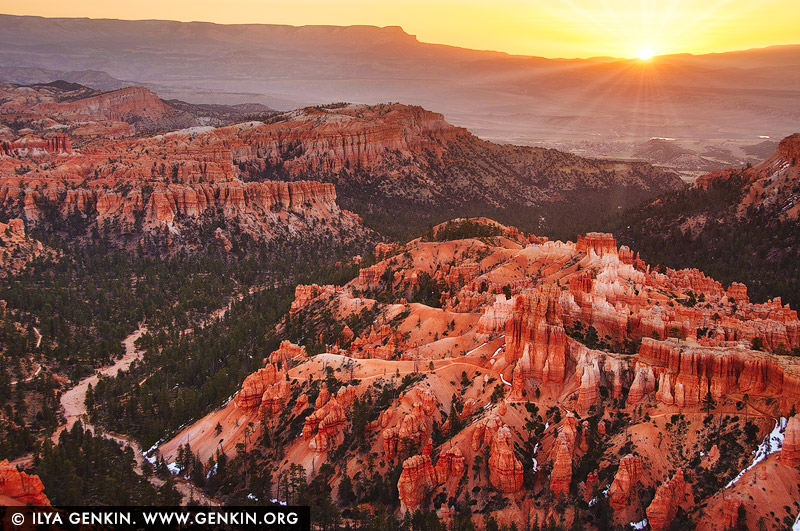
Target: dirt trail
(31, 377)
(74, 406)
(73, 400)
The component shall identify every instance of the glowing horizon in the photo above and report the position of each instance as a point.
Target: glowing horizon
(562, 28)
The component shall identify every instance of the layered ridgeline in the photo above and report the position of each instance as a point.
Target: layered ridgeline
(86, 112)
(403, 167)
(69, 163)
(481, 370)
(400, 166)
(508, 98)
(736, 224)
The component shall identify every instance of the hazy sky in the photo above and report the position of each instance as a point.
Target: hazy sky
(551, 28)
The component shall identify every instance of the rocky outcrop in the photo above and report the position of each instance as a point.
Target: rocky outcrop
(416, 480)
(738, 292)
(21, 487)
(769, 184)
(32, 146)
(643, 384)
(168, 201)
(322, 427)
(592, 482)
(261, 209)
(561, 475)
(790, 451)
(390, 441)
(254, 386)
(274, 399)
(505, 470)
(304, 294)
(589, 391)
(135, 105)
(628, 474)
(668, 498)
(363, 139)
(600, 243)
(535, 332)
(690, 372)
(483, 435)
(286, 353)
(494, 317)
(17, 249)
(789, 149)
(572, 343)
(451, 465)
(414, 426)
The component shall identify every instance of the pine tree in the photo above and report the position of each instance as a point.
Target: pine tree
(346, 496)
(709, 403)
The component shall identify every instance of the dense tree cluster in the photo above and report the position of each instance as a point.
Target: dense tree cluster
(83, 469)
(726, 247)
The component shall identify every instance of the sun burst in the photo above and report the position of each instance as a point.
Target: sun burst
(646, 53)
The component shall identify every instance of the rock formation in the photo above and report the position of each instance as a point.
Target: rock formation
(599, 242)
(17, 249)
(21, 487)
(286, 354)
(536, 329)
(790, 451)
(561, 475)
(416, 480)
(628, 474)
(575, 340)
(322, 427)
(668, 498)
(390, 441)
(451, 465)
(253, 387)
(505, 470)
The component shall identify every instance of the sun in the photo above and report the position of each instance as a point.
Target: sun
(645, 54)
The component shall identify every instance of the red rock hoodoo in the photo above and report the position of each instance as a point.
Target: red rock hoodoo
(20, 487)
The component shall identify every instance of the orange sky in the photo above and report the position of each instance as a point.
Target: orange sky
(550, 28)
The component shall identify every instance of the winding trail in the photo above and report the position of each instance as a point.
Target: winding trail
(31, 377)
(73, 402)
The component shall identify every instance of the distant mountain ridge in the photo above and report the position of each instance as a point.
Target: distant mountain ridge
(497, 96)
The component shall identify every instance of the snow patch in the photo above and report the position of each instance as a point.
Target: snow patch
(639, 525)
(476, 348)
(189, 131)
(772, 443)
